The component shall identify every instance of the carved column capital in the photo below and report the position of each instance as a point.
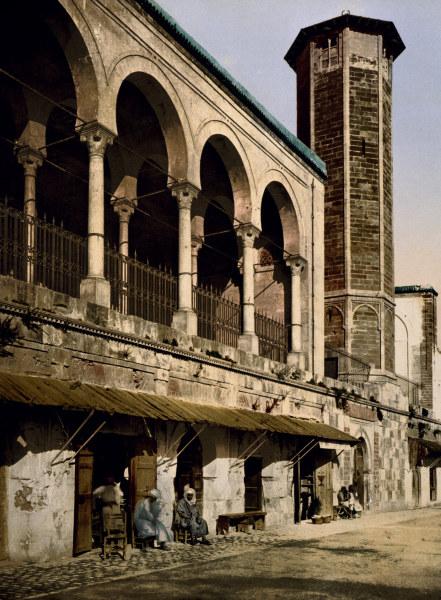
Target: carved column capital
(248, 234)
(97, 138)
(185, 192)
(123, 207)
(30, 159)
(297, 264)
(196, 244)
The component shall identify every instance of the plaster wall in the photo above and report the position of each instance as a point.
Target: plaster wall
(40, 503)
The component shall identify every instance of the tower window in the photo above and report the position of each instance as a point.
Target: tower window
(363, 146)
(328, 49)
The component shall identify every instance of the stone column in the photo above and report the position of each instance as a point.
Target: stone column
(95, 288)
(185, 319)
(196, 245)
(30, 160)
(295, 356)
(124, 208)
(248, 341)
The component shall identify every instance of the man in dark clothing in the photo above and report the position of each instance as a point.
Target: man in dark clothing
(188, 516)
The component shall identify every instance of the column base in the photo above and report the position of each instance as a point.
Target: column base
(95, 290)
(296, 359)
(249, 342)
(186, 321)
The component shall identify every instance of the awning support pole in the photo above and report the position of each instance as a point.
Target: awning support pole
(186, 445)
(250, 450)
(170, 447)
(292, 460)
(147, 429)
(435, 462)
(76, 432)
(299, 458)
(71, 461)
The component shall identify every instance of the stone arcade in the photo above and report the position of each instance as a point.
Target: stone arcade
(165, 243)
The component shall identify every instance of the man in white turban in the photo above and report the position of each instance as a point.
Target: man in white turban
(190, 518)
(147, 519)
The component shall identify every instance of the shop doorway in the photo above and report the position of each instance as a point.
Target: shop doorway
(360, 455)
(253, 483)
(416, 486)
(313, 484)
(130, 461)
(189, 467)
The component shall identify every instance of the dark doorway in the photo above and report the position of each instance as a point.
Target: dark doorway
(253, 483)
(359, 472)
(189, 467)
(416, 486)
(131, 461)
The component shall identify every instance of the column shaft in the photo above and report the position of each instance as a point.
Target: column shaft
(95, 246)
(30, 160)
(185, 318)
(248, 341)
(296, 356)
(185, 266)
(124, 208)
(94, 288)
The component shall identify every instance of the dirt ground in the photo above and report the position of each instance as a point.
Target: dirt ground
(376, 560)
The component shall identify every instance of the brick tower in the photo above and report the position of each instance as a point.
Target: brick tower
(344, 101)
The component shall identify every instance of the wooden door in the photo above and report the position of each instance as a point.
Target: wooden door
(253, 483)
(359, 476)
(83, 503)
(323, 481)
(142, 474)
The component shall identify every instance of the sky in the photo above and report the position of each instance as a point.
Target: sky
(251, 37)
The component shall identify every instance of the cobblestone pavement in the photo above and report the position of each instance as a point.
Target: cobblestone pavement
(31, 580)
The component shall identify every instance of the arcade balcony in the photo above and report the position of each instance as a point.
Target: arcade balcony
(46, 254)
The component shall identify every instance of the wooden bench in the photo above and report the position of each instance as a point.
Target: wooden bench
(242, 521)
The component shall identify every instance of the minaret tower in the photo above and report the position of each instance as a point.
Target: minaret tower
(344, 113)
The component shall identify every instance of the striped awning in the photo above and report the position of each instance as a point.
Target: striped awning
(47, 391)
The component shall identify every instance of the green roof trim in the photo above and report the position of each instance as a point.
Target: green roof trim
(415, 289)
(242, 94)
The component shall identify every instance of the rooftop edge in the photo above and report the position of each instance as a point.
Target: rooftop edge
(241, 93)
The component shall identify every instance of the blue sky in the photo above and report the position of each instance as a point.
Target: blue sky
(250, 39)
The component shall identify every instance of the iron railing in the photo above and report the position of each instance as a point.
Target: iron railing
(140, 289)
(39, 252)
(12, 243)
(273, 338)
(43, 253)
(410, 389)
(219, 319)
(345, 367)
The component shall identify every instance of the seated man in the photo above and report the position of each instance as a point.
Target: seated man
(343, 503)
(188, 516)
(354, 502)
(343, 497)
(147, 519)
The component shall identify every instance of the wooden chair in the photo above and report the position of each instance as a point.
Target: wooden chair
(180, 534)
(114, 536)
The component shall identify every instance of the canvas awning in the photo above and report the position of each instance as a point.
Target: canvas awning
(46, 391)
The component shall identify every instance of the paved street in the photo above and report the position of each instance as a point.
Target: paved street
(393, 555)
